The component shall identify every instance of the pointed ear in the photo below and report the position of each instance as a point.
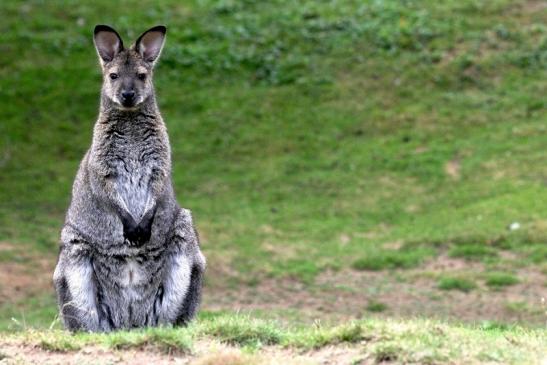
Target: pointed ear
(107, 42)
(150, 43)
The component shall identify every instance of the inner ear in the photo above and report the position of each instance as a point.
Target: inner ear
(150, 43)
(107, 42)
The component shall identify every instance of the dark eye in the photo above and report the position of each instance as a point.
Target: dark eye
(141, 77)
(113, 76)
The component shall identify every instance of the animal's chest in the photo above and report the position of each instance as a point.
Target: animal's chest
(133, 182)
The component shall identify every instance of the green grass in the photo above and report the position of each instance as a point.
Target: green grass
(472, 252)
(306, 136)
(235, 331)
(500, 279)
(293, 124)
(456, 283)
(410, 341)
(391, 259)
(39, 311)
(376, 306)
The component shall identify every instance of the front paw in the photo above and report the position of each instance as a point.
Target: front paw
(137, 233)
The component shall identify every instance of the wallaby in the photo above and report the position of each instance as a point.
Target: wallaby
(129, 254)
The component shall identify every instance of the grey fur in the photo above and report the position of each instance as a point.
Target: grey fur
(129, 254)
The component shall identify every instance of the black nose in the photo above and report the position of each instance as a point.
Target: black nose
(128, 95)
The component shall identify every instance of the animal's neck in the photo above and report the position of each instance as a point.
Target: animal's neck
(129, 125)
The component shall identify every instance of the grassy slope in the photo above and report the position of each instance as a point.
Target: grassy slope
(413, 341)
(314, 120)
(305, 135)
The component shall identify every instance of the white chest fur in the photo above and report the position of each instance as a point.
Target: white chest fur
(133, 187)
(132, 274)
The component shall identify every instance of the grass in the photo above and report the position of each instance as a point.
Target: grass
(233, 331)
(472, 252)
(410, 341)
(500, 279)
(391, 259)
(376, 306)
(306, 136)
(456, 283)
(293, 124)
(38, 311)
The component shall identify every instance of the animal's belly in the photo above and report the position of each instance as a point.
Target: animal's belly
(134, 191)
(130, 295)
(133, 280)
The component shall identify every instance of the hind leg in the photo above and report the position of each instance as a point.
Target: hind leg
(191, 303)
(76, 286)
(180, 295)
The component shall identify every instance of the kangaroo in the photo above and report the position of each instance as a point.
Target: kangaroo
(129, 255)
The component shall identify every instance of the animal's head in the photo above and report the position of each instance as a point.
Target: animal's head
(127, 73)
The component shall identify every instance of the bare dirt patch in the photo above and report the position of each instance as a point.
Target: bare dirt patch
(27, 354)
(444, 263)
(452, 169)
(530, 7)
(205, 353)
(26, 276)
(347, 294)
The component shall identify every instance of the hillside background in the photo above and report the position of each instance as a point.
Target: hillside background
(342, 159)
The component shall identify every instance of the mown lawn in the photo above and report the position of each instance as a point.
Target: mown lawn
(308, 137)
